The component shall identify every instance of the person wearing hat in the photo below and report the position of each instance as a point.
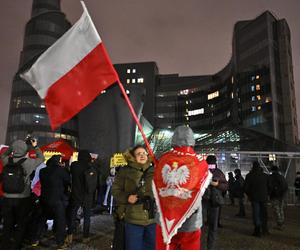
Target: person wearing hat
(212, 206)
(17, 206)
(180, 180)
(278, 189)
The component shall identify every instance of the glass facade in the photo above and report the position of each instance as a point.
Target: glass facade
(27, 111)
(247, 93)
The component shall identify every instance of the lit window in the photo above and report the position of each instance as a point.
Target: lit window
(140, 80)
(187, 118)
(257, 87)
(253, 108)
(160, 95)
(258, 97)
(160, 116)
(42, 106)
(186, 102)
(231, 95)
(184, 92)
(213, 95)
(257, 77)
(268, 99)
(252, 88)
(103, 91)
(232, 80)
(187, 110)
(128, 71)
(258, 107)
(253, 98)
(133, 80)
(252, 78)
(128, 80)
(196, 112)
(133, 70)
(127, 92)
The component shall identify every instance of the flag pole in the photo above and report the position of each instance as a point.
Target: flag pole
(137, 121)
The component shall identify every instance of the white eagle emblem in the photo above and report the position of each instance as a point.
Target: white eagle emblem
(174, 177)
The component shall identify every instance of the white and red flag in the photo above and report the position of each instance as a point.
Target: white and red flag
(179, 182)
(72, 72)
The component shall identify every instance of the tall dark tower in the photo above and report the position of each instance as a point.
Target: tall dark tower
(27, 114)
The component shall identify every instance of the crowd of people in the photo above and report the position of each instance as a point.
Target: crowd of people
(63, 190)
(164, 203)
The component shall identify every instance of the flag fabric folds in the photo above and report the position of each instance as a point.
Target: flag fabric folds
(179, 182)
(72, 72)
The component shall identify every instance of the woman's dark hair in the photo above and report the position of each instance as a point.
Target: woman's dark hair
(135, 148)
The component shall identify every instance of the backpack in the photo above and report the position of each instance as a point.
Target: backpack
(279, 186)
(13, 177)
(90, 176)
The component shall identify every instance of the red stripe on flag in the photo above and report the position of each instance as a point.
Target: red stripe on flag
(81, 85)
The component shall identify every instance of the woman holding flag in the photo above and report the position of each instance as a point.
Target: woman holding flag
(135, 205)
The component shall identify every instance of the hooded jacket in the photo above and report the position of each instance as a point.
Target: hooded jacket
(19, 150)
(78, 194)
(127, 182)
(54, 182)
(257, 185)
(182, 142)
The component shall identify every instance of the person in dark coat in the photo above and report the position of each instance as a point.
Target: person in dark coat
(79, 195)
(239, 192)
(278, 189)
(257, 188)
(230, 188)
(218, 184)
(17, 206)
(297, 185)
(54, 183)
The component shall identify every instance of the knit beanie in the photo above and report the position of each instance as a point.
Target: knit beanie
(19, 148)
(183, 136)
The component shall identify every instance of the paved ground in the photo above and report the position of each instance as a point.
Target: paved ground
(235, 234)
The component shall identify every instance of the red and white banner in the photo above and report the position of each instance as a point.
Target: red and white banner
(179, 182)
(72, 72)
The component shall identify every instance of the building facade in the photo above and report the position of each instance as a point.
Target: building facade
(255, 90)
(27, 114)
(106, 126)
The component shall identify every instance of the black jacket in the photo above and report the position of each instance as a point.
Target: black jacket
(257, 185)
(54, 183)
(238, 186)
(78, 193)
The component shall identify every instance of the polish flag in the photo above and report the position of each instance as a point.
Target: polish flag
(72, 72)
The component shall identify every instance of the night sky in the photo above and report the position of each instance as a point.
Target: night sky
(189, 37)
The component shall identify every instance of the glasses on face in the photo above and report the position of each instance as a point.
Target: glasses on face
(141, 154)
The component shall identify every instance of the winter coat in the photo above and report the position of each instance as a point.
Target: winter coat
(19, 149)
(238, 186)
(77, 169)
(54, 183)
(257, 186)
(219, 175)
(127, 182)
